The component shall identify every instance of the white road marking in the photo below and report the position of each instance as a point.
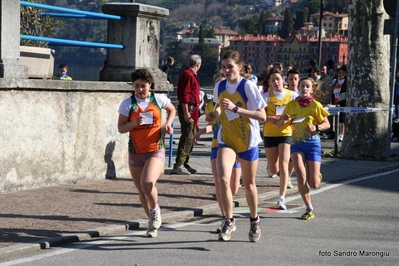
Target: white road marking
(328, 187)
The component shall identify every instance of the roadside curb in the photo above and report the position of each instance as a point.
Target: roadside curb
(213, 208)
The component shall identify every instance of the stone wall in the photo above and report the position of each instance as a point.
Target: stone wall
(55, 132)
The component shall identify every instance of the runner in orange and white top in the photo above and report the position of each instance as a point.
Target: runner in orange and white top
(141, 116)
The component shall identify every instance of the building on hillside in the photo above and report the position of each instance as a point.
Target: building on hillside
(184, 34)
(333, 47)
(334, 23)
(224, 35)
(296, 50)
(273, 25)
(311, 30)
(257, 50)
(189, 44)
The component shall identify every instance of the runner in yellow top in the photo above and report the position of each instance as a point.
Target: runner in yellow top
(241, 106)
(140, 115)
(308, 117)
(277, 140)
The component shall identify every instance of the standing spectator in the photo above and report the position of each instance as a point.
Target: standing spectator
(326, 89)
(277, 140)
(325, 81)
(140, 115)
(240, 106)
(248, 70)
(314, 74)
(62, 73)
(330, 68)
(339, 97)
(308, 117)
(166, 68)
(188, 95)
(312, 64)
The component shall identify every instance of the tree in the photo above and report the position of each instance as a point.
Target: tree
(366, 134)
(209, 57)
(314, 6)
(201, 37)
(301, 18)
(33, 23)
(249, 25)
(177, 50)
(262, 19)
(288, 24)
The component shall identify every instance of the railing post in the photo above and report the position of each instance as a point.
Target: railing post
(10, 64)
(139, 33)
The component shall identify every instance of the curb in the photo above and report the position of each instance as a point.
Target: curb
(120, 228)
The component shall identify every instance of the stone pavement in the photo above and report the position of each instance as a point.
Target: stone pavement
(51, 216)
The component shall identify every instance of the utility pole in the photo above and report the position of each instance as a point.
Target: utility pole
(320, 31)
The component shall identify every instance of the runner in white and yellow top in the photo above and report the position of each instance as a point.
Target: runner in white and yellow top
(241, 106)
(236, 171)
(308, 117)
(277, 140)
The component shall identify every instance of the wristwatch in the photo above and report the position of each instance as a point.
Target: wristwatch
(235, 109)
(317, 128)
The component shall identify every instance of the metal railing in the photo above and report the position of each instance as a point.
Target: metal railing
(71, 13)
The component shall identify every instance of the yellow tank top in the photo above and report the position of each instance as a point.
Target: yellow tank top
(275, 107)
(235, 132)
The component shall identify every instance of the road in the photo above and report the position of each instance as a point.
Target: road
(356, 224)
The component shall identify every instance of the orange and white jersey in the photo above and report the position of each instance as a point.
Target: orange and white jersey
(147, 137)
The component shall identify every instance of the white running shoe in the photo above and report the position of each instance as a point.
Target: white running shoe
(152, 232)
(281, 204)
(155, 218)
(228, 228)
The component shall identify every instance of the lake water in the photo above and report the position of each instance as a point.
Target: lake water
(91, 72)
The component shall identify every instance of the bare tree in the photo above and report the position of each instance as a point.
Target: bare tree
(366, 134)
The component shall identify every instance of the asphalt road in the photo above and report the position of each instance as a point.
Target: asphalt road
(356, 224)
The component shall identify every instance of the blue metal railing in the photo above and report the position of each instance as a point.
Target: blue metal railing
(73, 13)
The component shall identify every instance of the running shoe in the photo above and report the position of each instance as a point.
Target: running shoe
(155, 218)
(190, 169)
(308, 215)
(180, 171)
(228, 228)
(219, 229)
(152, 232)
(254, 231)
(281, 204)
